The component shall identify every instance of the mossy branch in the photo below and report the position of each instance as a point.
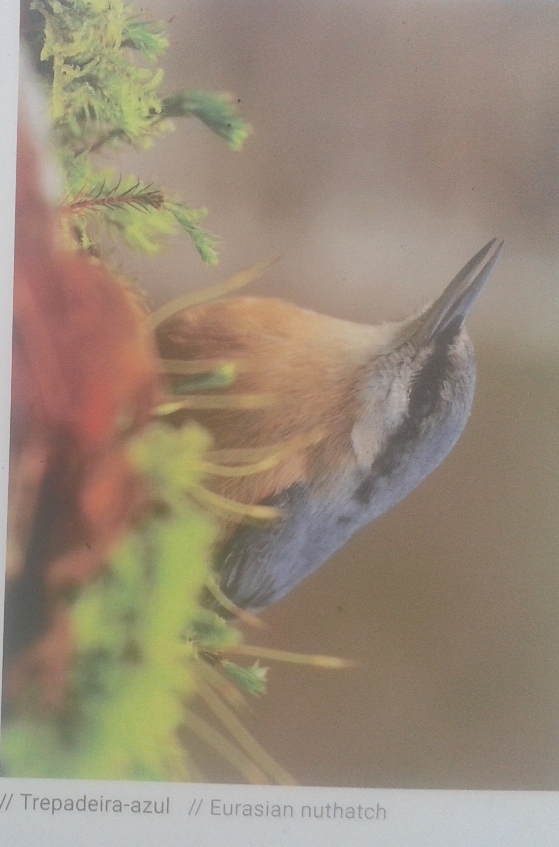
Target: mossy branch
(100, 59)
(216, 111)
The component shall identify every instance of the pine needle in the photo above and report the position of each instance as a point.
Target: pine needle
(242, 736)
(193, 367)
(267, 653)
(212, 292)
(270, 458)
(225, 749)
(216, 401)
(232, 509)
(241, 614)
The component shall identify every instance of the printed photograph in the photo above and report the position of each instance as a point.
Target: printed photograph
(284, 451)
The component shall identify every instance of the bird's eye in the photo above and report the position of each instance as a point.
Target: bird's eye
(424, 396)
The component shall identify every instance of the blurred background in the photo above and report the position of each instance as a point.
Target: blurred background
(391, 141)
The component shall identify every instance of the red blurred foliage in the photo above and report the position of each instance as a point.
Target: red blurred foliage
(84, 380)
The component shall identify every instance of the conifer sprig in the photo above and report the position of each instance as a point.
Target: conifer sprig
(138, 195)
(141, 214)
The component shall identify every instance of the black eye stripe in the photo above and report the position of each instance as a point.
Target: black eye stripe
(424, 396)
(426, 387)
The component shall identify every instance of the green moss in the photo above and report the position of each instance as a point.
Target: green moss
(99, 59)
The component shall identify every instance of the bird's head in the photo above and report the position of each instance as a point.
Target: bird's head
(418, 389)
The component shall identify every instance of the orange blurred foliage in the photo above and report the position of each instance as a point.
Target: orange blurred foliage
(84, 381)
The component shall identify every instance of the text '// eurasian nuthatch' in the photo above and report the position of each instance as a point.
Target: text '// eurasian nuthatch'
(390, 402)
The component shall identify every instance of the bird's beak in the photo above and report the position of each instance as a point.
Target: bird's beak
(458, 298)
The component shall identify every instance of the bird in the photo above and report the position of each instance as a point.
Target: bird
(365, 413)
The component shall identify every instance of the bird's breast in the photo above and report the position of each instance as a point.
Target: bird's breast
(300, 371)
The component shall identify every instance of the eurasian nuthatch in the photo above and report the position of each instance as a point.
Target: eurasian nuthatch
(389, 402)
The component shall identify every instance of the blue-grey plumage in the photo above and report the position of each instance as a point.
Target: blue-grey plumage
(392, 400)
